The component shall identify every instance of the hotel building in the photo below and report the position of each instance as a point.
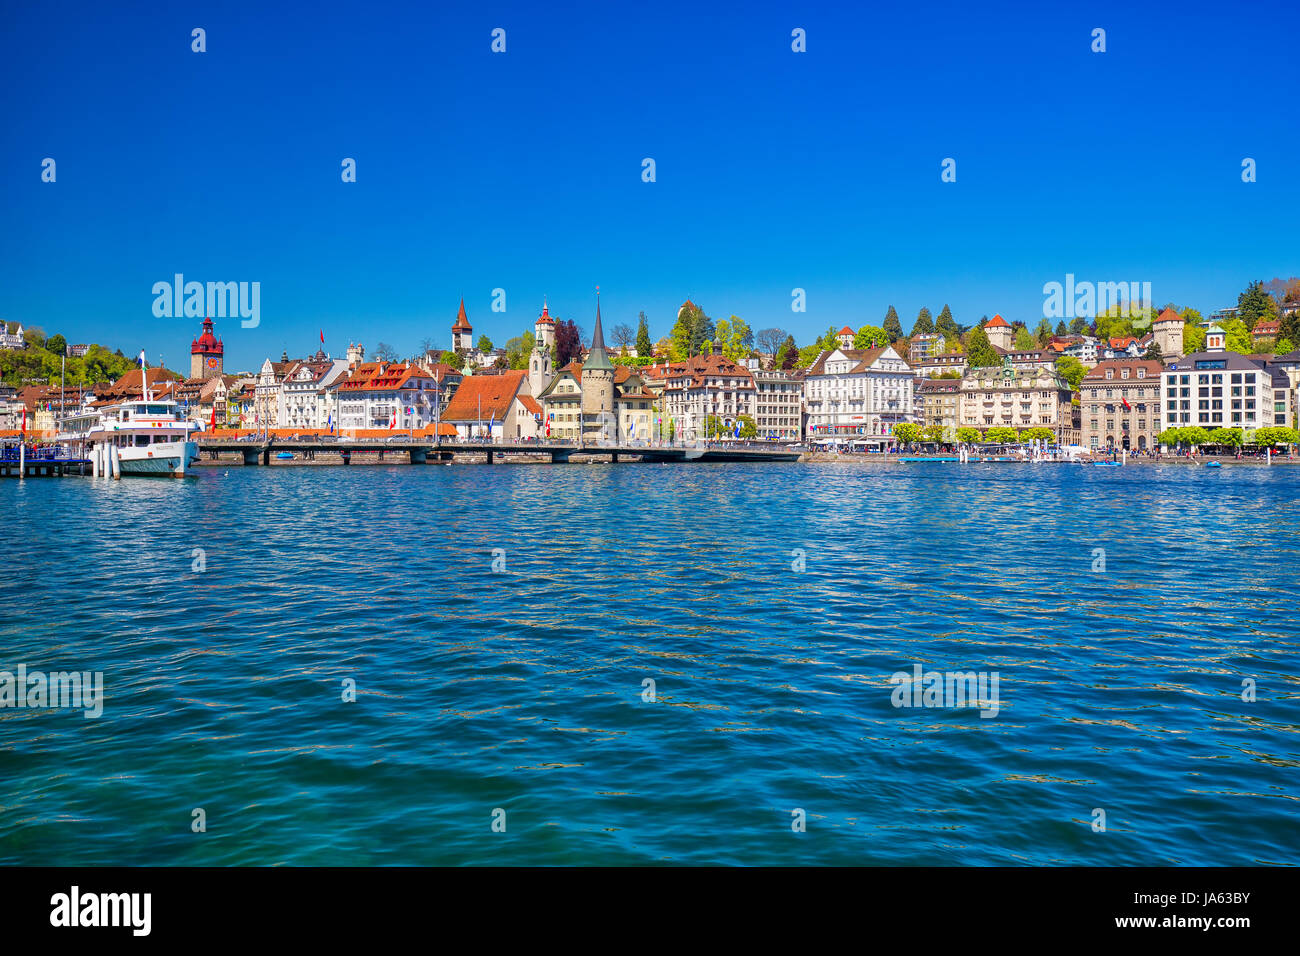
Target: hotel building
(1119, 401)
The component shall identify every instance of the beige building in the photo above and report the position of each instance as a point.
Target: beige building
(858, 392)
(1033, 397)
(1119, 404)
(940, 401)
(778, 404)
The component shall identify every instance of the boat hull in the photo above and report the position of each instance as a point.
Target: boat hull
(166, 458)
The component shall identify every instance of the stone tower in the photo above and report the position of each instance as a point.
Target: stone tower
(207, 354)
(598, 421)
(1168, 331)
(999, 333)
(539, 362)
(356, 354)
(462, 333)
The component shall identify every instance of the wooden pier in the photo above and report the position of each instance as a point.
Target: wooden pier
(425, 451)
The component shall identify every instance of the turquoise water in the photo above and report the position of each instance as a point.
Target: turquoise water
(523, 689)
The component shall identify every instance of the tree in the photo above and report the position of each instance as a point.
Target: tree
(870, 336)
(568, 342)
(702, 330)
(1170, 436)
(1043, 334)
(1284, 346)
(979, 351)
(1193, 338)
(892, 328)
(1078, 325)
(1071, 370)
(945, 325)
(1195, 436)
(1153, 352)
(1002, 435)
(924, 324)
(623, 336)
(808, 354)
(1037, 434)
(484, 343)
(748, 429)
(788, 355)
(932, 433)
(1226, 437)
(680, 336)
(1061, 330)
(907, 433)
(454, 359)
(1255, 305)
(643, 346)
(664, 347)
(967, 435)
(57, 344)
(770, 341)
(1024, 341)
(1237, 337)
(384, 353)
(1275, 435)
(730, 338)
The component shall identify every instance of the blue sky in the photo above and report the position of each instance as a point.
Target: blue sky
(522, 170)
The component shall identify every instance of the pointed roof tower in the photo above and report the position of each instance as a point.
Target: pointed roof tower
(462, 321)
(596, 358)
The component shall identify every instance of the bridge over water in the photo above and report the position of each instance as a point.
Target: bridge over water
(420, 451)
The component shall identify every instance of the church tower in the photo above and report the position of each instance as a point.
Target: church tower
(207, 354)
(462, 334)
(598, 388)
(539, 362)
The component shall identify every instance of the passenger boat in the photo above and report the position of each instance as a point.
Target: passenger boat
(139, 437)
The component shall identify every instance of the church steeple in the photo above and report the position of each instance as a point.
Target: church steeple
(596, 358)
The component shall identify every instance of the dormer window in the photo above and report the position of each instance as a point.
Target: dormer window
(1142, 373)
(1123, 373)
(1110, 373)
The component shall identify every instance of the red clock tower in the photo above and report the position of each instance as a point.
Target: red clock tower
(206, 354)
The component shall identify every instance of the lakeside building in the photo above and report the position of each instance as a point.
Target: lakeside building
(778, 402)
(494, 406)
(1217, 389)
(393, 395)
(1027, 359)
(940, 403)
(267, 392)
(307, 394)
(1120, 405)
(866, 392)
(634, 404)
(1026, 397)
(701, 387)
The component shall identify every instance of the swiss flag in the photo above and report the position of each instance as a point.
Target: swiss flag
(1127, 406)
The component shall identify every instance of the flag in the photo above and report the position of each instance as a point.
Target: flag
(214, 416)
(737, 432)
(141, 360)
(322, 336)
(393, 423)
(1127, 406)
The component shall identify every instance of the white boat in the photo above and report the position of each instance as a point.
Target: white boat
(139, 437)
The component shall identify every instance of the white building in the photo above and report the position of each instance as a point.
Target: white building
(858, 392)
(11, 335)
(385, 395)
(1217, 389)
(702, 387)
(306, 395)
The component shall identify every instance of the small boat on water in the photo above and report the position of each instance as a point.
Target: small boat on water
(145, 437)
(284, 455)
(1214, 464)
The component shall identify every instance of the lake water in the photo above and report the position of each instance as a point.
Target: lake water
(769, 604)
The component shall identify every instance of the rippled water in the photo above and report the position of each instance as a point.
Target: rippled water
(522, 690)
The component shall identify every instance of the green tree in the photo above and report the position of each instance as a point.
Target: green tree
(1255, 305)
(945, 325)
(1043, 334)
(892, 328)
(1071, 370)
(747, 427)
(1193, 338)
(1024, 341)
(932, 433)
(57, 344)
(907, 433)
(1078, 325)
(1061, 330)
(788, 355)
(454, 359)
(924, 323)
(968, 435)
(808, 354)
(1041, 434)
(1237, 337)
(1153, 352)
(1226, 437)
(643, 346)
(730, 338)
(1002, 435)
(979, 351)
(484, 343)
(870, 336)
(1195, 436)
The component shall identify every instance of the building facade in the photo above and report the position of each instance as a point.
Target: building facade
(1120, 405)
(1019, 398)
(1217, 389)
(778, 404)
(858, 392)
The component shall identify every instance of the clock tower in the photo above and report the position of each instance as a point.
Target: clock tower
(206, 354)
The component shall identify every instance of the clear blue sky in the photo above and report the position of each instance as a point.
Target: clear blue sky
(522, 171)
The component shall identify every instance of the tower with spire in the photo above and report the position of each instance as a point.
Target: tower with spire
(540, 372)
(462, 334)
(597, 386)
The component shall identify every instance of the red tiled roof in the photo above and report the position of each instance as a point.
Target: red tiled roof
(545, 317)
(845, 331)
(484, 397)
(997, 322)
(1169, 315)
